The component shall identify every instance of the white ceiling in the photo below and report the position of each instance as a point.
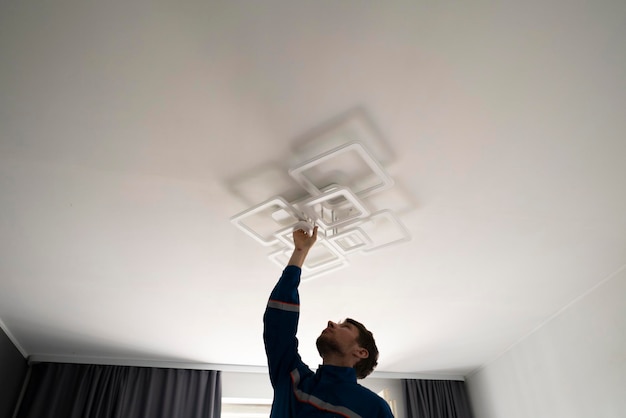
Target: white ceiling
(124, 129)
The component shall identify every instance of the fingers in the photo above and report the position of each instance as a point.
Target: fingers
(306, 233)
(301, 234)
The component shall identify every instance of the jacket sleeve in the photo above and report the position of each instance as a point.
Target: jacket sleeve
(280, 324)
(386, 412)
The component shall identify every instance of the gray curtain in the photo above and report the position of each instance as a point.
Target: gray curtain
(56, 390)
(436, 399)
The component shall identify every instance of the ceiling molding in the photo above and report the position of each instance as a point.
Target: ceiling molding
(14, 340)
(52, 358)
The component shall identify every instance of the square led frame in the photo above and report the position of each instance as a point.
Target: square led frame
(350, 240)
(281, 257)
(323, 259)
(320, 256)
(349, 165)
(327, 268)
(261, 221)
(329, 213)
(385, 230)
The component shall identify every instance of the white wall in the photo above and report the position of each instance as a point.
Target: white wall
(246, 385)
(574, 366)
(257, 386)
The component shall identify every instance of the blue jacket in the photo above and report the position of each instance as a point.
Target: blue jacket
(332, 391)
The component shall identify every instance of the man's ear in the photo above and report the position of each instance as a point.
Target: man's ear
(361, 352)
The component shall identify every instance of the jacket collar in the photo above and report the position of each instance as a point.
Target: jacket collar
(336, 373)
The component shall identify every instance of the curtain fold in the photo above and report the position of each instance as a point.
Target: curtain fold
(58, 390)
(436, 399)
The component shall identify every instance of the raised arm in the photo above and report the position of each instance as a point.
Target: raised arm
(281, 317)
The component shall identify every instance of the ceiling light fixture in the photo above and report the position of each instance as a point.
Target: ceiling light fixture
(339, 183)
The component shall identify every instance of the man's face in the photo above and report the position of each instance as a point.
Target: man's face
(338, 338)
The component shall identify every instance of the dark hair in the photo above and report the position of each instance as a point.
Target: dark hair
(366, 340)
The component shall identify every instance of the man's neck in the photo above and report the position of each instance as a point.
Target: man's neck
(339, 361)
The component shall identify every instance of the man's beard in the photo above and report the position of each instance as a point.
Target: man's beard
(326, 345)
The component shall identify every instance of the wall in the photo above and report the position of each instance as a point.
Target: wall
(257, 386)
(574, 366)
(12, 373)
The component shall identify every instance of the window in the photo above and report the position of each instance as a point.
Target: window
(387, 396)
(246, 408)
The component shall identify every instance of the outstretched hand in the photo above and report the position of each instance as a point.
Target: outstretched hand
(302, 240)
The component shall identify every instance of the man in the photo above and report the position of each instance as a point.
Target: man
(347, 349)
